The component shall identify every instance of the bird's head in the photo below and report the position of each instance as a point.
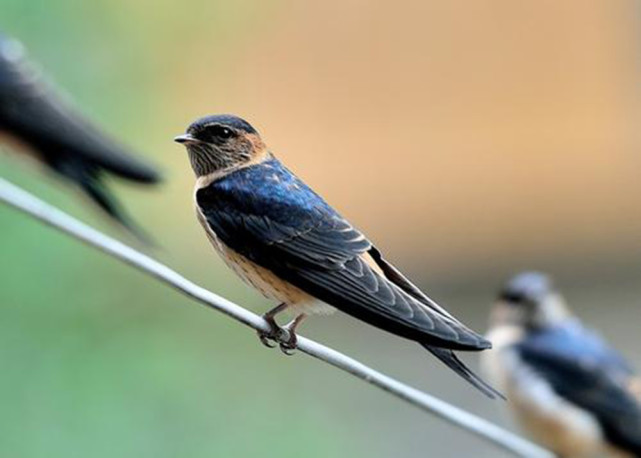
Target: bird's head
(220, 143)
(13, 61)
(529, 300)
(11, 50)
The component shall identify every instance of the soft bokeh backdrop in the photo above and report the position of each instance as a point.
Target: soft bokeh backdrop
(468, 139)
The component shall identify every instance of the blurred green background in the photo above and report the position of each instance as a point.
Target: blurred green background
(468, 139)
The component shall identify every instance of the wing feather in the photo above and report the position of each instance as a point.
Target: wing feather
(312, 247)
(581, 368)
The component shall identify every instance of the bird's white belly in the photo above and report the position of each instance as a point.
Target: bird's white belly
(548, 418)
(264, 280)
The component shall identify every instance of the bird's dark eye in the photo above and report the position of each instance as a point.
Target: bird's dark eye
(216, 131)
(514, 297)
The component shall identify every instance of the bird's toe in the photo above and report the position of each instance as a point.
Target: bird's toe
(267, 339)
(288, 342)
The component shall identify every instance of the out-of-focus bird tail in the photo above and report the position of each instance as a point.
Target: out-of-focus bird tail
(89, 179)
(112, 157)
(450, 359)
(99, 194)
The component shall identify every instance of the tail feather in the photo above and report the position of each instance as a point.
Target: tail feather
(101, 196)
(90, 180)
(448, 357)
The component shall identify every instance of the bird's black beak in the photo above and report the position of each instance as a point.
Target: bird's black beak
(185, 138)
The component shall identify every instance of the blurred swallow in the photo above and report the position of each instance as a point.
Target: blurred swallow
(36, 118)
(567, 387)
(286, 241)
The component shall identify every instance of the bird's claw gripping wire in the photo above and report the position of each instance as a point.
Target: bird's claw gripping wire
(284, 337)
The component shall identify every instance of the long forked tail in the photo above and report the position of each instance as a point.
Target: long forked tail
(101, 196)
(90, 180)
(451, 360)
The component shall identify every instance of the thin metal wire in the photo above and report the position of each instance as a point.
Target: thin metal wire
(31, 205)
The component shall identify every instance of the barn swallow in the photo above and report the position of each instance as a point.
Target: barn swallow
(39, 121)
(286, 241)
(567, 387)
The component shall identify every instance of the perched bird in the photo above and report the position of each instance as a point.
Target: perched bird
(566, 386)
(37, 120)
(286, 241)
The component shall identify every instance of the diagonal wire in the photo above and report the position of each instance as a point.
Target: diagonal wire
(31, 205)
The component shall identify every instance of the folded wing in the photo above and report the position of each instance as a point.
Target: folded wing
(581, 368)
(297, 236)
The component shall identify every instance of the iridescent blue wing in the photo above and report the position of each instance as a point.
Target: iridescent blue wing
(269, 216)
(584, 370)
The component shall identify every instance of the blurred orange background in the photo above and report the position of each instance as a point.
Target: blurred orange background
(476, 133)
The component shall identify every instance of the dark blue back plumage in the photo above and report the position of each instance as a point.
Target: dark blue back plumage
(582, 368)
(275, 206)
(276, 193)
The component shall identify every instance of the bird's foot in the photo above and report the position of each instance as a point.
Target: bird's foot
(270, 338)
(267, 339)
(288, 340)
(284, 337)
(275, 335)
(289, 343)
